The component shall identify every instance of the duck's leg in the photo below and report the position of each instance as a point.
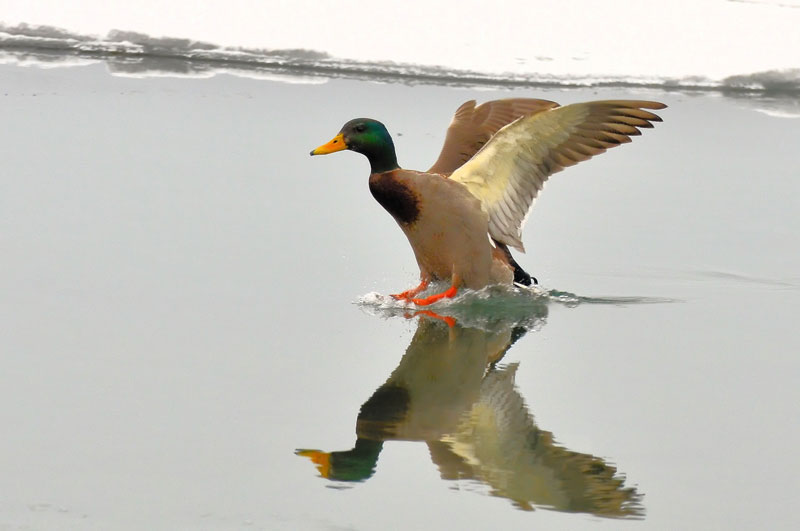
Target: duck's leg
(409, 293)
(449, 293)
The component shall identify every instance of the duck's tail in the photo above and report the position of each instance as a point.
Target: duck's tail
(520, 275)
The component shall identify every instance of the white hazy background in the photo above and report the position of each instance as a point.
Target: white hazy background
(643, 39)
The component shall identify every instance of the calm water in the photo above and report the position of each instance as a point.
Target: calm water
(188, 299)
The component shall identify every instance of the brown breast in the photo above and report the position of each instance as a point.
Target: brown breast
(395, 196)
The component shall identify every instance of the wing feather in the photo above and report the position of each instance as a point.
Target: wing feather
(473, 126)
(510, 170)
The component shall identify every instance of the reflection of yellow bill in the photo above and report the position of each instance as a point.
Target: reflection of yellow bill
(321, 459)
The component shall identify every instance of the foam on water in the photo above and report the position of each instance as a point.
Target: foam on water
(493, 306)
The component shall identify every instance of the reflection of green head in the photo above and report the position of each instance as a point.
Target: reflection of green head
(376, 421)
(357, 464)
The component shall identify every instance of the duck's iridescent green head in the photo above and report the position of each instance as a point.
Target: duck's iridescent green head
(368, 137)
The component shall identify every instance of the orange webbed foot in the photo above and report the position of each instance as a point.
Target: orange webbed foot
(409, 293)
(451, 292)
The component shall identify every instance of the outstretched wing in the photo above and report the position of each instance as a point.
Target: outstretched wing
(509, 171)
(473, 126)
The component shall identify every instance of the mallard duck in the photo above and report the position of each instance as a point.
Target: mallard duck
(495, 160)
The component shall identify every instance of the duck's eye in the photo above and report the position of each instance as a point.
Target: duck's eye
(360, 128)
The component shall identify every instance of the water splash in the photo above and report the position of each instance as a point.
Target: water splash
(494, 306)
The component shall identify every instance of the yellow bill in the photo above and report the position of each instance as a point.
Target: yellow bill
(336, 144)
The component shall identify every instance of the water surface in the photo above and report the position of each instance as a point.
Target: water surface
(186, 303)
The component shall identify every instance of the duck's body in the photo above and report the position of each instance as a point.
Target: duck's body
(461, 216)
(444, 224)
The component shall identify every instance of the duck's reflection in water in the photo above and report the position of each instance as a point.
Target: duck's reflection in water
(450, 392)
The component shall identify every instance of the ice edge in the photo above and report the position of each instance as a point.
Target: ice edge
(132, 53)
